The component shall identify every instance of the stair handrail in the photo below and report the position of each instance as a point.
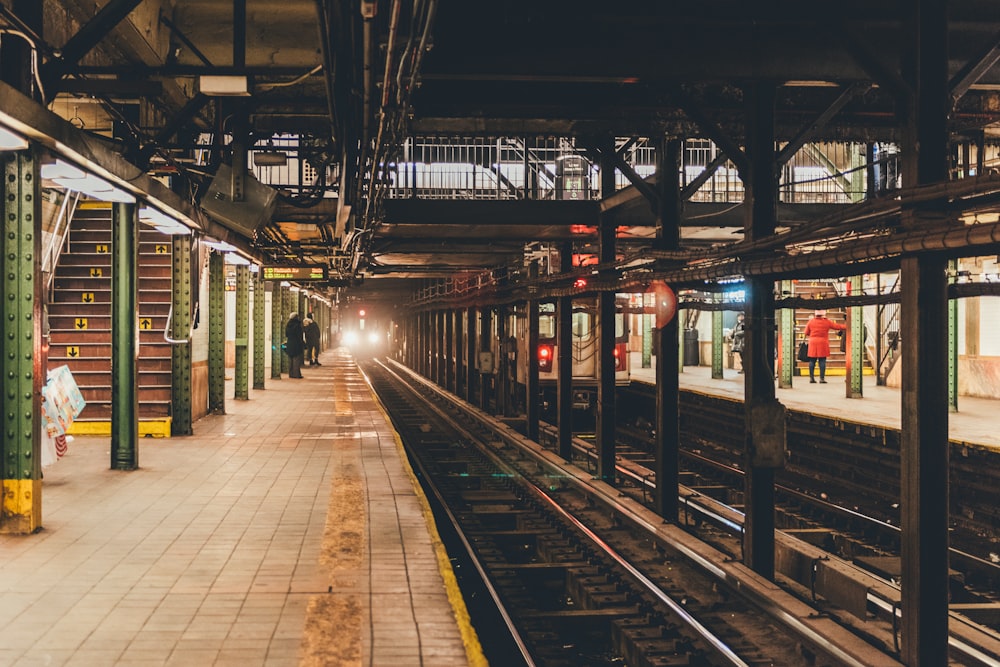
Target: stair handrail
(887, 338)
(58, 239)
(166, 328)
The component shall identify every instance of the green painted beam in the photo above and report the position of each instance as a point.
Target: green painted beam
(856, 344)
(124, 337)
(717, 340)
(786, 342)
(277, 330)
(241, 373)
(216, 333)
(23, 364)
(259, 332)
(180, 330)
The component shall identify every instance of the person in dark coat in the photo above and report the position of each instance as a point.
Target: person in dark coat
(311, 330)
(294, 345)
(818, 333)
(737, 338)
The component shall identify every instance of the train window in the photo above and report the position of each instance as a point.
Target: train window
(619, 325)
(582, 327)
(546, 326)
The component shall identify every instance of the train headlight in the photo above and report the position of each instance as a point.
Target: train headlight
(373, 338)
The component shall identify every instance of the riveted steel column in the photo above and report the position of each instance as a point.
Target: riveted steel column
(564, 360)
(717, 340)
(669, 362)
(764, 415)
(241, 373)
(277, 330)
(286, 310)
(485, 338)
(786, 341)
(216, 333)
(855, 344)
(606, 387)
(180, 329)
(124, 337)
(460, 336)
(470, 353)
(924, 449)
(449, 350)
(259, 333)
(953, 342)
(505, 406)
(647, 338)
(531, 396)
(23, 365)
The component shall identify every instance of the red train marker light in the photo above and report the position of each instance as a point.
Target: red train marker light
(580, 283)
(545, 354)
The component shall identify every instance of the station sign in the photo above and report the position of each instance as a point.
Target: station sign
(294, 273)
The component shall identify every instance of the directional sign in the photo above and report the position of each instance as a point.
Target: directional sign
(295, 273)
(81, 323)
(145, 323)
(102, 248)
(162, 249)
(96, 272)
(87, 297)
(73, 351)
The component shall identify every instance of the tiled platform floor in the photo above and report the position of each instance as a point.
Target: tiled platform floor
(285, 532)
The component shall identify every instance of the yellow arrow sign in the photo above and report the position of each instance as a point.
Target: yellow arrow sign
(81, 323)
(162, 250)
(102, 248)
(145, 323)
(96, 272)
(87, 297)
(72, 351)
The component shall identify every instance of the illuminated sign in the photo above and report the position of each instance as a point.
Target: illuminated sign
(294, 273)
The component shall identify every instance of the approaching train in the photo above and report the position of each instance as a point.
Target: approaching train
(585, 348)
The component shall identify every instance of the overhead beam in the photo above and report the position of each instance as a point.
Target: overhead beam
(696, 112)
(873, 64)
(89, 36)
(506, 213)
(974, 70)
(799, 140)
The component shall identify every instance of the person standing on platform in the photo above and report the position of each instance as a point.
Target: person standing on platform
(311, 330)
(294, 345)
(818, 334)
(736, 338)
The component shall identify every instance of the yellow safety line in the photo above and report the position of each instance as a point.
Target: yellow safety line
(473, 649)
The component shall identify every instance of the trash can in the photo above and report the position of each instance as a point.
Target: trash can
(692, 357)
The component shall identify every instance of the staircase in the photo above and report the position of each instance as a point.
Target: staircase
(79, 317)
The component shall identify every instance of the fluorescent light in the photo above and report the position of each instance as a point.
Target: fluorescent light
(9, 141)
(238, 260)
(221, 246)
(224, 86)
(162, 222)
(96, 188)
(60, 169)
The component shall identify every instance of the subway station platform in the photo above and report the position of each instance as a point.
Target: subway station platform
(975, 423)
(288, 531)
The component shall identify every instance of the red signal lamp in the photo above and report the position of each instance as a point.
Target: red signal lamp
(545, 353)
(580, 283)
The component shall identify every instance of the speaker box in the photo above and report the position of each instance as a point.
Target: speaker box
(246, 216)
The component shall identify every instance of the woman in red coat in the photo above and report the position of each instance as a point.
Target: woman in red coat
(818, 331)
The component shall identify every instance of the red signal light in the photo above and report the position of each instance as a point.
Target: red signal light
(580, 283)
(361, 313)
(545, 353)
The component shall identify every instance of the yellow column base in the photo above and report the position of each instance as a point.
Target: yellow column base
(22, 506)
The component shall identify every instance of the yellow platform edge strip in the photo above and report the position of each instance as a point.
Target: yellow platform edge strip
(473, 649)
(148, 428)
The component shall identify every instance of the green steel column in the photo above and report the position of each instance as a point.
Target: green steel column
(786, 340)
(647, 340)
(855, 344)
(124, 337)
(286, 310)
(953, 341)
(277, 331)
(180, 329)
(217, 333)
(22, 367)
(241, 373)
(259, 333)
(717, 340)
(303, 308)
(680, 344)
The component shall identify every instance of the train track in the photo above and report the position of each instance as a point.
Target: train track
(585, 576)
